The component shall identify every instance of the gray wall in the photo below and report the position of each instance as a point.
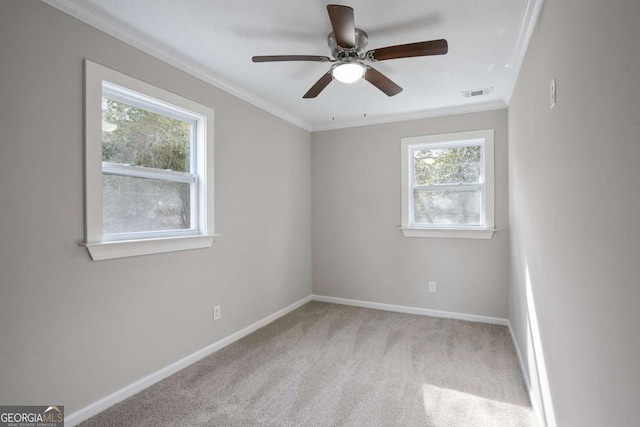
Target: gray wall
(358, 251)
(73, 330)
(574, 180)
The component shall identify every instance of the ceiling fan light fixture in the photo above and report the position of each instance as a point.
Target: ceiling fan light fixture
(349, 72)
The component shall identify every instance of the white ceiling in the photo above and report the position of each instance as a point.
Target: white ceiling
(215, 40)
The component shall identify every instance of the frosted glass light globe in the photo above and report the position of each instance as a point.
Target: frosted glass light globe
(348, 73)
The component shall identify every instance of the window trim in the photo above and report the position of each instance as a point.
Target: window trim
(483, 231)
(98, 247)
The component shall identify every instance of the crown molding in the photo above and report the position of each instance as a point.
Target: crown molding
(530, 18)
(531, 14)
(439, 112)
(135, 41)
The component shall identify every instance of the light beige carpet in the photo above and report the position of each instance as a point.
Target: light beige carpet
(332, 365)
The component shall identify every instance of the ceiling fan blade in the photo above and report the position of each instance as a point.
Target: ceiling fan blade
(278, 58)
(433, 47)
(343, 24)
(382, 82)
(319, 86)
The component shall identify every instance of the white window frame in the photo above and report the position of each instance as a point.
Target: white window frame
(409, 145)
(135, 92)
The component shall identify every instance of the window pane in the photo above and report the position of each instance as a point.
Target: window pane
(447, 165)
(140, 204)
(135, 136)
(447, 207)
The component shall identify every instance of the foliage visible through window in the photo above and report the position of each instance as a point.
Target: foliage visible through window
(447, 185)
(132, 135)
(148, 176)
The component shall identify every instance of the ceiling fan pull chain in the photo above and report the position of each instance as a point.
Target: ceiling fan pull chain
(333, 99)
(364, 91)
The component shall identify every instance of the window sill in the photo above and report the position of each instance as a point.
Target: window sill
(450, 233)
(129, 248)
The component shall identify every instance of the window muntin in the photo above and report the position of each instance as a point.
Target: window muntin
(156, 199)
(447, 185)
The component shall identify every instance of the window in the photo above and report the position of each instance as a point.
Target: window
(447, 185)
(148, 167)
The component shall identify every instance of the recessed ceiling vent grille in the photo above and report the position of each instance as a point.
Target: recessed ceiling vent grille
(478, 92)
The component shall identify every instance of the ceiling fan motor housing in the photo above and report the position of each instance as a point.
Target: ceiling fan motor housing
(357, 52)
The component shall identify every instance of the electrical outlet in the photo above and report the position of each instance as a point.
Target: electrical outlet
(432, 287)
(216, 312)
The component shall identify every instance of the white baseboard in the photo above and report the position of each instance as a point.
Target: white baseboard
(525, 374)
(136, 387)
(412, 310)
(535, 405)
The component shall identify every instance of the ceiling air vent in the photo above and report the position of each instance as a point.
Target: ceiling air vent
(478, 92)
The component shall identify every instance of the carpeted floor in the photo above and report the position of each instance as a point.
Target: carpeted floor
(332, 365)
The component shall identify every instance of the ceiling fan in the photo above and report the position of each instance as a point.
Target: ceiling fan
(347, 44)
